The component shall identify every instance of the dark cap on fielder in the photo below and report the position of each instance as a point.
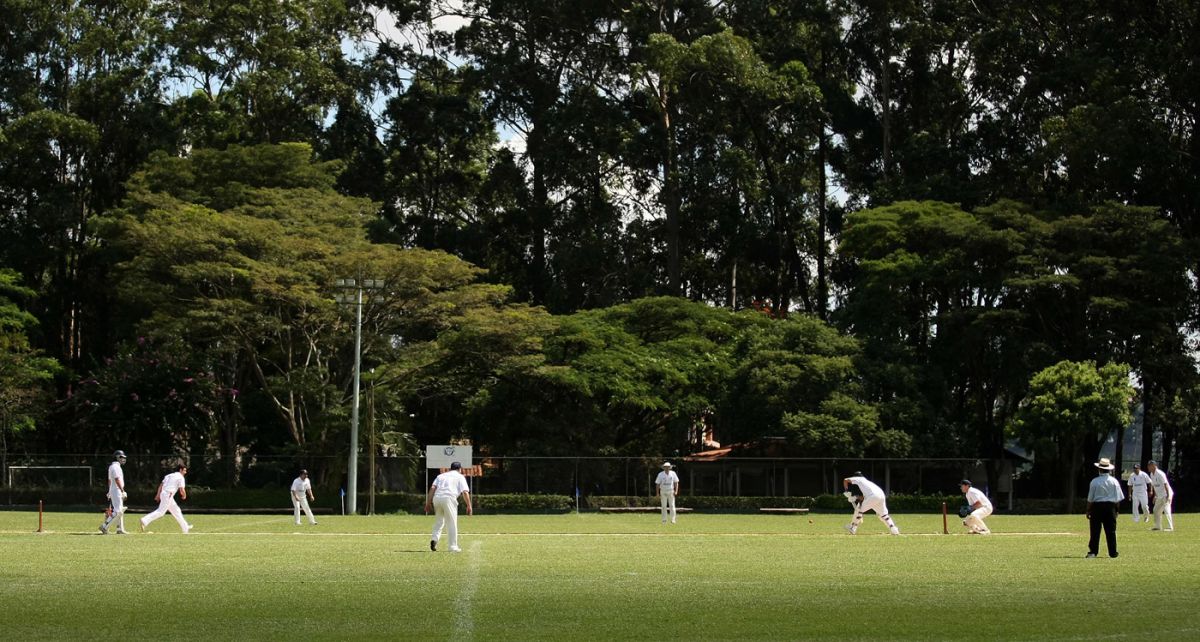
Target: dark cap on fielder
(965, 482)
(455, 465)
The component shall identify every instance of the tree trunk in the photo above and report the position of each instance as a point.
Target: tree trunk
(1073, 477)
(1147, 419)
(822, 229)
(671, 206)
(539, 217)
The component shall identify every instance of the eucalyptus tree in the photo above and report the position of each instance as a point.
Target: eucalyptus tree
(80, 108)
(911, 134)
(533, 57)
(259, 71)
(811, 33)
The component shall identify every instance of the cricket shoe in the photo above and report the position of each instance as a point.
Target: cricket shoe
(1089, 555)
(850, 529)
(122, 532)
(433, 545)
(103, 529)
(455, 549)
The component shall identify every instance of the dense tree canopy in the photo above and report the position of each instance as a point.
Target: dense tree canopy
(861, 226)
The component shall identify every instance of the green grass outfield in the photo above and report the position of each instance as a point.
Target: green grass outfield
(593, 576)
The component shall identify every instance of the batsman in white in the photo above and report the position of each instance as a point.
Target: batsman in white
(1163, 496)
(868, 497)
(443, 497)
(1139, 493)
(171, 484)
(667, 485)
(116, 494)
(301, 493)
(980, 506)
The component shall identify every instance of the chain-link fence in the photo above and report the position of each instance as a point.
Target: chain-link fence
(585, 476)
(80, 479)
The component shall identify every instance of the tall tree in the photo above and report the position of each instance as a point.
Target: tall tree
(80, 108)
(1072, 407)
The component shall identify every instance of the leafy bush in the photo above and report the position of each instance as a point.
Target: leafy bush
(522, 503)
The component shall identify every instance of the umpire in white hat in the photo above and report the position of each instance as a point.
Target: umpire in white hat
(1104, 499)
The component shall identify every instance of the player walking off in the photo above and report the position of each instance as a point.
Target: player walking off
(1139, 493)
(667, 484)
(171, 484)
(116, 494)
(301, 493)
(864, 495)
(980, 507)
(1163, 496)
(443, 497)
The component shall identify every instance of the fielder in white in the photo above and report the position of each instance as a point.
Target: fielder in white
(1139, 493)
(301, 493)
(981, 507)
(868, 497)
(667, 485)
(443, 497)
(116, 494)
(171, 484)
(1163, 496)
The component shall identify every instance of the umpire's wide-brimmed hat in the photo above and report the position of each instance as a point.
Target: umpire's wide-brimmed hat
(666, 464)
(1104, 464)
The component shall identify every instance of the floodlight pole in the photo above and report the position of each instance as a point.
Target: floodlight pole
(352, 465)
(352, 469)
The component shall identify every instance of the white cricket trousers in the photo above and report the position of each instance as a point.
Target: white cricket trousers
(166, 504)
(300, 500)
(974, 521)
(446, 509)
(879, 505)
(667, 499)
(1140, 500)
(1163, 507)
(118, 506)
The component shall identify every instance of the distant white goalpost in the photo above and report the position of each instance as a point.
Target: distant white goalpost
(48, 480)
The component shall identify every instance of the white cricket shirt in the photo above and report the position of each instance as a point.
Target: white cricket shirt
(1162, 487)
(450, 484)
(666, 481)
(301, 485)
(976, 495)
(1138, 482)
(115, 474)
(869, 489)
(173, 482)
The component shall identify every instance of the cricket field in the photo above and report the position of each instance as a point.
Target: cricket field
(594, 577)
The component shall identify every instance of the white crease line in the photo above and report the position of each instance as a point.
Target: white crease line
(840, 535)
(464, 621)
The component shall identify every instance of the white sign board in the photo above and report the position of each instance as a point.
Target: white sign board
(443, 456)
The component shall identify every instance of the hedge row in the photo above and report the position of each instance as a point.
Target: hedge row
(330, 500)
